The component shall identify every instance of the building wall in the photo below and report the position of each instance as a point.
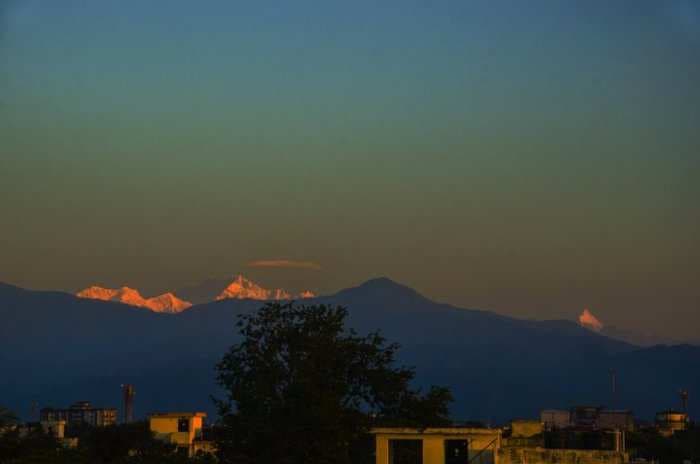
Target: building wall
(96, 417)
(669, 422)
(433, 449)
(617, 420)
(165, 428)
(498, 449)
(557, 418)
(434, 443)
(526, 428)
(164, 424)
(196, 426)
(104, 417)
(55, 428)
(517, 455)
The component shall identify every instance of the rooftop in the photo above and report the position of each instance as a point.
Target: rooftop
(165, 415)
(435, 430)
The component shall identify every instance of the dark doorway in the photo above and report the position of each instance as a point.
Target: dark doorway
(183, 424)
(405, 451)
(456, 452)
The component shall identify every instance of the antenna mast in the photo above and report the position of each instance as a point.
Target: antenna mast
(35, 409)
(684, 400)
(613, 387)
(128, 393)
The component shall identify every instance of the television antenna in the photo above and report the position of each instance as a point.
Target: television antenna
(684, 400)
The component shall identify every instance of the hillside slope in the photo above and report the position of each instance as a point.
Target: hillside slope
(57, 348)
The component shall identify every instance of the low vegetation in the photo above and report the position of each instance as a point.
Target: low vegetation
(681, 447)
(118, 444)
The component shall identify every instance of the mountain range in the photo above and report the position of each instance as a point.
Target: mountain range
(165, 303)
(239, 288)
(57, 348)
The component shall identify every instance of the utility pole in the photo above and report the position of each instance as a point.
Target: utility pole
(35, 411)
(684, 400)
(128, 395)
(613, 387)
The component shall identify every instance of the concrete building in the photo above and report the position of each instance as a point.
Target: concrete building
(588, 418)
(523, 433)
(523, 443)
(444, 445)
(525, 428)
(585, 417)
(80, 413)
(670, 422)
(618, 419)
(57, 429)
(555, 418)
(538, 455)
(182, 429)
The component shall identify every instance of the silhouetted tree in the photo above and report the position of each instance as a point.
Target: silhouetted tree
(680, 447)
(118, 442)
(7, 418)
(301, 388)
(31, 446)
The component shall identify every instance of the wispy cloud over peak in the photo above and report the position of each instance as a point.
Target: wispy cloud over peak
(285, 264)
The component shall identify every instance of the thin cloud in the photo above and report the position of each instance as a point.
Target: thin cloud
(285, 264)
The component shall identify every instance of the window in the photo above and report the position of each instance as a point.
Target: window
(405, 451)
(456, 452)
(183, 424)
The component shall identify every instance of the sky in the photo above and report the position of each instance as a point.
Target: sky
(531, 158)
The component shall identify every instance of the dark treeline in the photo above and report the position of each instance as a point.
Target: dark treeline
(679, 448)
(118, 444)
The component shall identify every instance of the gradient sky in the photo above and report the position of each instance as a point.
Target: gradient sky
(530, 157)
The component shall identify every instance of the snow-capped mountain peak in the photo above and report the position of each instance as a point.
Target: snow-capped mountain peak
(589, 321)
(242, 288)
(165, 303)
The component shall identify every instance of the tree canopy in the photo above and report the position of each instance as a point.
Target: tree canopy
(7, 417)
(303, 388)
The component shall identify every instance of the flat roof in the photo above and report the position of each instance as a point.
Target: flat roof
(76, 410)
(178, 414)
(435, 431)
